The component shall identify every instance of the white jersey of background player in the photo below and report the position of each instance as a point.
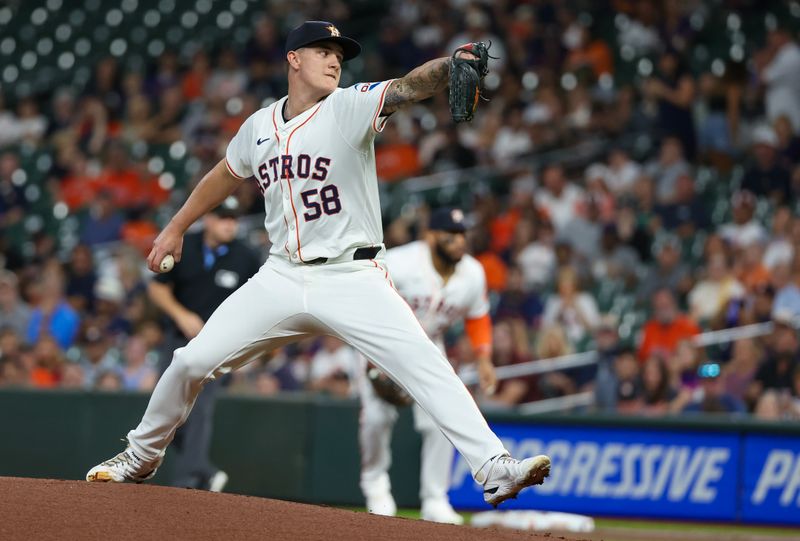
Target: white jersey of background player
(313, 158)
(442, 285)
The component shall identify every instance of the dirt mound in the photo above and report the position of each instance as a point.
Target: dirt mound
(50, 509)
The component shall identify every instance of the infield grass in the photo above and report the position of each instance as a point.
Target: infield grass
(615, 529)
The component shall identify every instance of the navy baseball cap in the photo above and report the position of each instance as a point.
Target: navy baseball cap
(448, 219)
(311, 32)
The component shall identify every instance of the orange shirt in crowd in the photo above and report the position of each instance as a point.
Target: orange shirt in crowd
(396, 161)
(42, 378)
(496, 271)
(502, 230)
(755, 277)
(665, 337)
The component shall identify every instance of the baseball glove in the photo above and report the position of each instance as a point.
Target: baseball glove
(466, 76)
(386, 389)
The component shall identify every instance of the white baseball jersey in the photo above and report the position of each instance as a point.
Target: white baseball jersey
(316, 172)
(436, 304)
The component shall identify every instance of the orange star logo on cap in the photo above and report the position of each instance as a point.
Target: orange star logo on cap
(334, 31)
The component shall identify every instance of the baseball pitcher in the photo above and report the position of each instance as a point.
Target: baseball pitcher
(312, 155)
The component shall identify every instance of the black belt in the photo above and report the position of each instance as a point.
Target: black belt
(367, 252)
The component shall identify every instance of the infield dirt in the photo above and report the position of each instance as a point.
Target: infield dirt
(50, 509)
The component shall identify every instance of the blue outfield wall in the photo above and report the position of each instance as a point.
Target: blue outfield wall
(305, 448)
(673, 474)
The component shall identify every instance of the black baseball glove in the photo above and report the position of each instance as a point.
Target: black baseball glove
(386, 389)
(466, 77)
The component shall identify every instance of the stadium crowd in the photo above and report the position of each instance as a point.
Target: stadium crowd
(685, 219)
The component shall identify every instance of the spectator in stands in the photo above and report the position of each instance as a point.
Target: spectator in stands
(657, 390)
(228, 79)
(395, 157)
(669, 272)
(607, 346)
(587, 54)
(13, 203)
(195, 78)
(450, 153)
(572, 308)
(97, 355)
(767, 176)
(103, 223)
(81, 279)
(518, 302)
(745, 229)
(52, 315)
(687, 213)
(477, 28)
(740, 371)
(711, 294)
(583, 232)
(750, 269)
(165, 74)
(509, 347)
(780, 248)
(783, 356)
(31, 125)
(537, 260)
(667, 328)
(629, 382)
(15, 313)
(622, 172)
(334, 368)
(788, 142)
(109, 380)
(615, 261)
(49, 361)
(560, 200)
(513, 139)
(552, 342)
(722, 96)
(72, 376)
(673, 90)
(138, 374)
(108, 314)
(787, 290)
(712, 397)
(778, 66)
(667, 169)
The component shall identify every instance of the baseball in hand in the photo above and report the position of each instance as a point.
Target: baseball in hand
(167, 263)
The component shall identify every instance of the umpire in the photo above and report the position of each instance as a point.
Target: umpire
(213, 265)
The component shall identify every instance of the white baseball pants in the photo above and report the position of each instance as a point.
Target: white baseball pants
(282, 303)
(377, 420)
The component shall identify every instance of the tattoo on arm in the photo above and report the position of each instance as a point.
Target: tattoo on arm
(420, 83)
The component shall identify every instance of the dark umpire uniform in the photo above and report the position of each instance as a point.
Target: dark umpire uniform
(206, 275)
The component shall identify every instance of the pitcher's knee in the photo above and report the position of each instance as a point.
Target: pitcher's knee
(192, 369)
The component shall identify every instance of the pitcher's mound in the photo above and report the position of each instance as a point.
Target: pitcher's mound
(50, 509)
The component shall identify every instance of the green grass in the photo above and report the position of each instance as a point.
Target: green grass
(657, 525)
(696, 527)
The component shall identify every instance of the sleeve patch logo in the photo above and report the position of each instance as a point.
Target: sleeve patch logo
(366, 87)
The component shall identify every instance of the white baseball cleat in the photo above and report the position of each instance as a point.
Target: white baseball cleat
(508, 476)
(440, 511)
(126, 466)
(382, 504)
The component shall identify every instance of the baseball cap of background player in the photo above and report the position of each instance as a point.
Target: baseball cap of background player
(315, 31)
(229, 208)
(448, 219)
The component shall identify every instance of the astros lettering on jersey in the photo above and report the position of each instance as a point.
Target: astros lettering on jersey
(316, 172)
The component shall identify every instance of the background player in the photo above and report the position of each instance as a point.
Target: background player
(442, 285)
(213, 265)
(313, 157)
